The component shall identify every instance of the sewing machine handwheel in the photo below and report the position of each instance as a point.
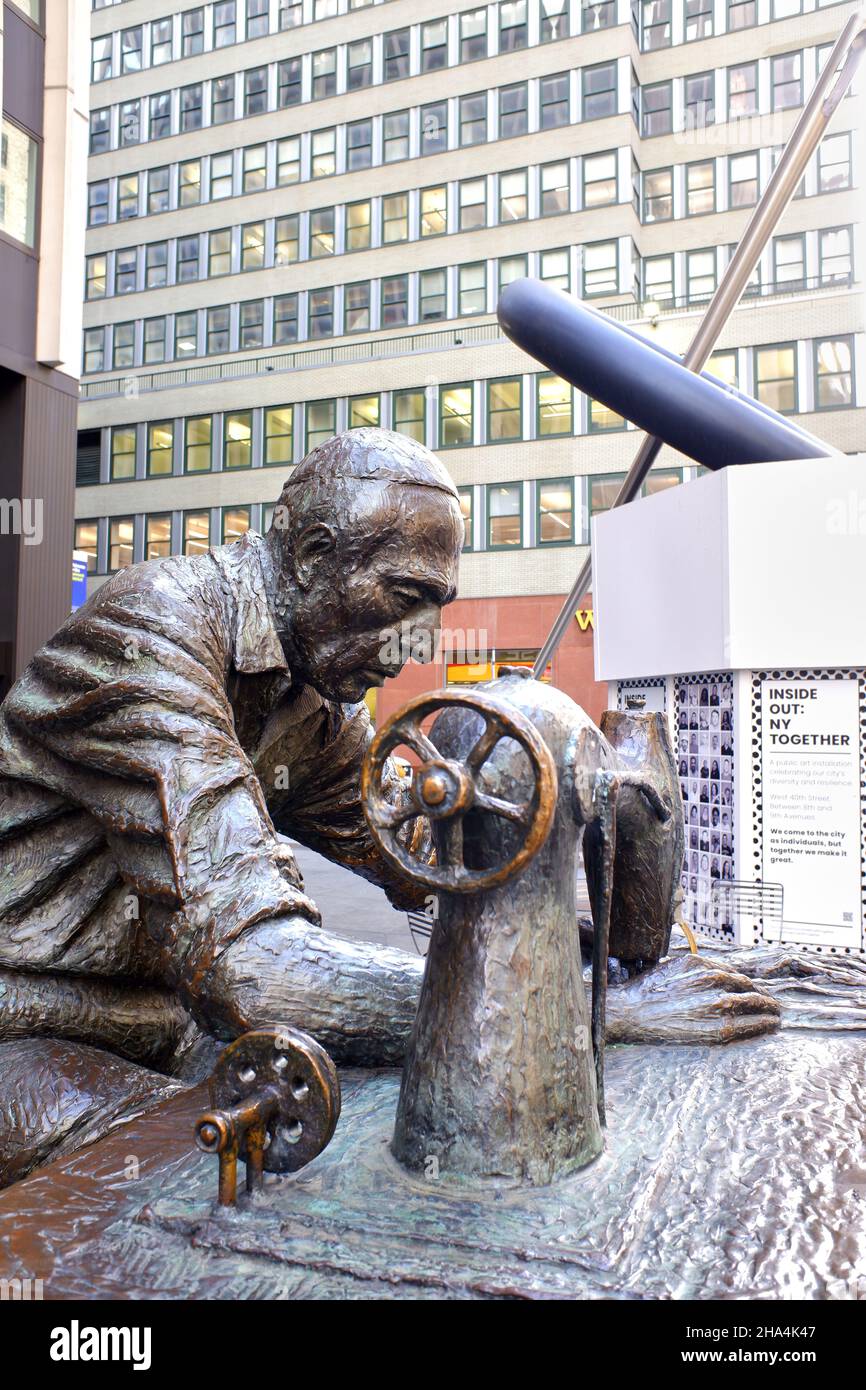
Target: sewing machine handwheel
(299, 1074)
(444, 789)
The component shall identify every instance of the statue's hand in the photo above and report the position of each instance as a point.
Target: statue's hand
(688, 999)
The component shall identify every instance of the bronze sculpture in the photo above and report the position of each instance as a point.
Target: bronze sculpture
(158, 751)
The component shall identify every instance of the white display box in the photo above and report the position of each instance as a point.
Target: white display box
(737, 605)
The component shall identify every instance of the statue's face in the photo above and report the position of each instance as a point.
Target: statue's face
(357, 619)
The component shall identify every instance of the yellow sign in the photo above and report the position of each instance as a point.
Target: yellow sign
(585, 619)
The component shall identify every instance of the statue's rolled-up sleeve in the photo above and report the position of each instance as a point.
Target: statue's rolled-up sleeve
(126, 714)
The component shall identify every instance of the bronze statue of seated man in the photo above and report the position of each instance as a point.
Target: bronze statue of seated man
(156, 755)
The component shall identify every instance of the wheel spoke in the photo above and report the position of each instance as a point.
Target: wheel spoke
(452, 848)
(498, 807)
(391, 817)
(417, 740)
(485, 745)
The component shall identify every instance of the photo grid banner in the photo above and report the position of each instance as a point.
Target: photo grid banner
(704, 735)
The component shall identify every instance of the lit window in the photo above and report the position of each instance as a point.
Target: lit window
(658, 202)
(286, 240)
(410, 414)
(321, 422)
(834, 373)
(219, 253)
(434, 211)
(324, 153)
(789, 261)
(395, 218)
(127, 197)
(255, 163)
(279, 426)
(221, 176)
(473, 204)
(189, 183)
(700, 188)
(556, 511)
(504, 419)
(465, 496)
(554, 268)
(122, 453)
(513, 196)
(600, 275)
(700, 274)
(723, 365)
(238, 440)
(601, 418)
(455, 416)
(363, 411)
(511, 268)
(358, 220)
(743, 176)
(555, 405)
(288, 161)
(776, 376)
(599, 179)
(196, 533)
(197, 444)
(87, 539)
(236, 523)
(121, 535)
(504, 515)
(97, 268)
(554, 188)
(472, 289)
(94, 350)
(658, 277)
(160, 447)
(357, 307)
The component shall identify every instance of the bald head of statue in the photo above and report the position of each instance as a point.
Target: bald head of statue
(363, 553)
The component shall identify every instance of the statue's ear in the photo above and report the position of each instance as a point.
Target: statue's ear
(311, 547)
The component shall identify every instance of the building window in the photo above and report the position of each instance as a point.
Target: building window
(189, 183)
(288, 161)
(321, 422)
(121, 534)
(196, 533)
(252, 324)
(289, 90)
(198, 435)
(285, 319)
(473, 119)
(130, 49)
(358, 219)
(834, 163)
(657, 109)
(555, 406)
(434, 45)
(222, 100)
(835, 264)
(235, 524)
(554, 189)
(655, 24)
(154, 340)
(255, 168)
(157, 537)
(97, 269)
(238, 440)
(472, 289)
(395, 136)
(742, 14)
(513, 110)
(434, 127)
(286, 240)
(100, 130)
(601, 419)
(129, 123)
(100, 59)
(224, 24)
(743, 180)
(324, 153)
(513, 30)
(658, 278)
(325, 73)
(87, 539)
(556, 511)
(218, 329)
(192, 33)
(776, 376)
(599, 179)
(160, 447)
(473, 35)
(658, 199)
(156, 265)
(125, 270)
(357, 307)
(219, 253)
(18, 181)
(185, 335)
(364, 412)
(700, 274)
(160, 116)
(127, 197)
(513, 196)
(700, 188)
(291, 13)
(257, 18)
(555, 269)
(122, 453)
(603, 492)
(94, 350)
(504, 515)
(255, 91)
(278, 446)
(97, 203)
(554, 19)
(723, 365)
(511, 268)
(473, 204)
(600, 269)
(434, 211)
(789, 261)
(698, 19)
(187, 259)
(787, 81)
(504, 414)
(455, 416)
(321, 313)
(432, 296)
(360, 65)
(161, 41)
(599, 91)
(322, 233)
(158, 189)
(553, 101)
(410, 415)
(699, 101)
(124, 345)
(834, 381)
(396, 55)
(742, 90)
(395, 301)
(359, 145)
(659, 480)
(191, 107)
(395, 218)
